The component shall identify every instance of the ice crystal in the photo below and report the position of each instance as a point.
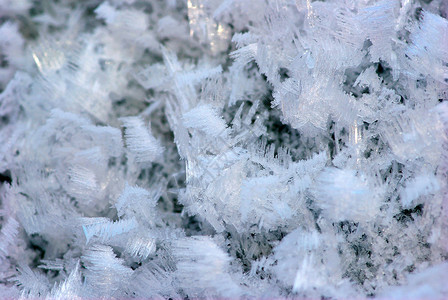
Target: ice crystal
(223, 149)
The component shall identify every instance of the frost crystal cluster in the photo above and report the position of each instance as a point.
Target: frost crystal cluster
(224, 149)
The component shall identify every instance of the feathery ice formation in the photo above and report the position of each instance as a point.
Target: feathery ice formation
(224, 149)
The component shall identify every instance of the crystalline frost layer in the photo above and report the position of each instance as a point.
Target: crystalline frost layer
(223, 149)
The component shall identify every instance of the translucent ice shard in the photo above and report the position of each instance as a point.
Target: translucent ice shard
(214, 34)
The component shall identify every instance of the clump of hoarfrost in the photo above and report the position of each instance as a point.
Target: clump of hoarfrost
(202, 148)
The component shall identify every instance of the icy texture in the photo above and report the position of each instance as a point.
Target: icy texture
(139, 141)
(224, 149)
